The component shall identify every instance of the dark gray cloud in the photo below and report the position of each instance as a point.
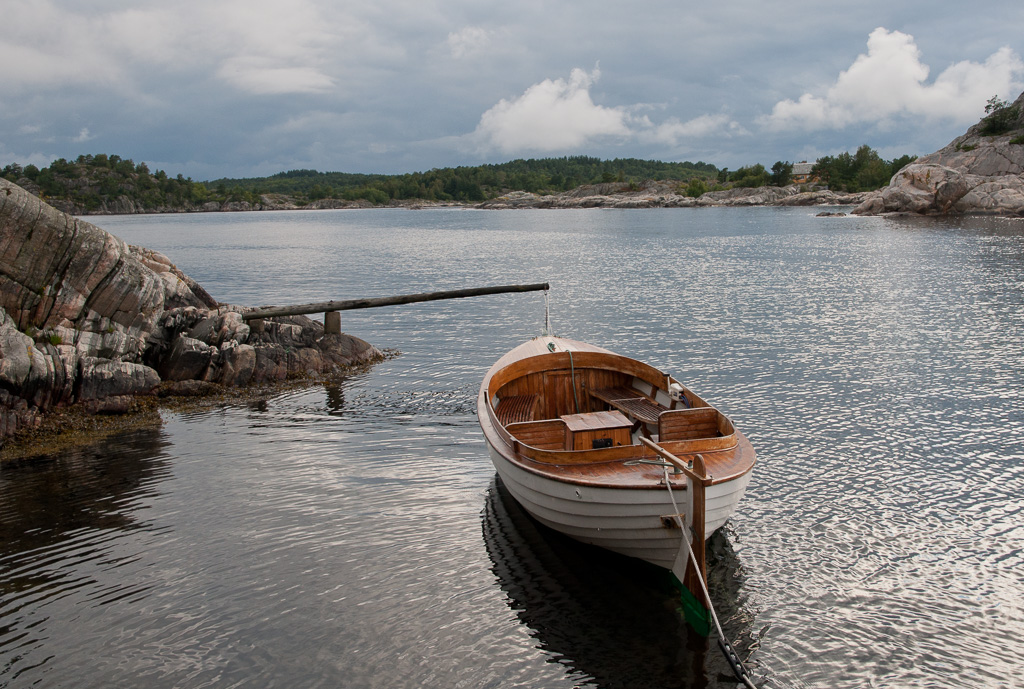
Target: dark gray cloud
(216, 88)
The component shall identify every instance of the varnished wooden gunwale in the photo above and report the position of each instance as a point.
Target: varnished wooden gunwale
(726, 458)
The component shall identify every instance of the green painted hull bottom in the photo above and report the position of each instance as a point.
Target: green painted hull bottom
(694, 611)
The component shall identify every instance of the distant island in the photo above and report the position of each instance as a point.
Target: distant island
(108, 184)
(980, 172)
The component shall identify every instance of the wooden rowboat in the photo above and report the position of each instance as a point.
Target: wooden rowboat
(613, 452)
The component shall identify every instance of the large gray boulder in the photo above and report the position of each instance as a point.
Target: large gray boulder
(1002, 195)
(110, 386)
(975, 174)
(918, 188)
(86, 318)
(84, 285)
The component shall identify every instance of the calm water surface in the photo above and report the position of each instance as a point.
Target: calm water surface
(354, 535)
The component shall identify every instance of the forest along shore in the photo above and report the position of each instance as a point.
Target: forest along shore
(109, 184)
(980, 172)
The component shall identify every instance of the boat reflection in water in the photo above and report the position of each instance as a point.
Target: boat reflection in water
(612, 621)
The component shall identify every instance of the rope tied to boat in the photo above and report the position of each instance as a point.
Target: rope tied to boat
(730, 655)
(547, 315)
(572, 381)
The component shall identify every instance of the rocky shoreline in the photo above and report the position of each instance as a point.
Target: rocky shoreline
(88, 321)
(657, 194)
(649, 194)
(975, 174)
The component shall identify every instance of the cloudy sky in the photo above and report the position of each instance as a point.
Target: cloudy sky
(213, 88)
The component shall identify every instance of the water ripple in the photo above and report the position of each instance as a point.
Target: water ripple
(353, 534)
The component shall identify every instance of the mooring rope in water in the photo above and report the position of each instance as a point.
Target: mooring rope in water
(730, 655)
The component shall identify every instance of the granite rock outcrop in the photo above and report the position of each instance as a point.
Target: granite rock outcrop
(976, 173)
(86, 318)
(667, 194)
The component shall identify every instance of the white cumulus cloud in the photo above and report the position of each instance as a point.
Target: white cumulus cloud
(554, 115)
(890, 81)
(261, 47)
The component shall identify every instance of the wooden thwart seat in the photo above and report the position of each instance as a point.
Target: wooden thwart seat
(545, 435)
(688, 424)
(630, 402)
(516, 409)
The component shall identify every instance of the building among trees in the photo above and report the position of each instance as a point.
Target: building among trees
(802, 172)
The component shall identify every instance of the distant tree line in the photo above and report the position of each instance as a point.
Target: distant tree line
(472, 184)
(92, 182)
(96, 182)
(864, 170)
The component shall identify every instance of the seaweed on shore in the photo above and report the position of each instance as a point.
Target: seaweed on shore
(74, 426)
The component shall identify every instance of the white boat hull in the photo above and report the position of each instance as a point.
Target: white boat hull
(623, 520)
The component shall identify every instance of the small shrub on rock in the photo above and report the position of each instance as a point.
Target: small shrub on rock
(1001, 117)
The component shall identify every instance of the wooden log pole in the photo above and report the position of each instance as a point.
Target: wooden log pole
(346, 305)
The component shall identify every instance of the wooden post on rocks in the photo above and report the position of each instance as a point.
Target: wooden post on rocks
(332, 323)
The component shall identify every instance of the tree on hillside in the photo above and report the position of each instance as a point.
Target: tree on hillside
(899, 163)
(752, 176)
(782, 173)
(1000, 117)
(865, 170)
(696, 187)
